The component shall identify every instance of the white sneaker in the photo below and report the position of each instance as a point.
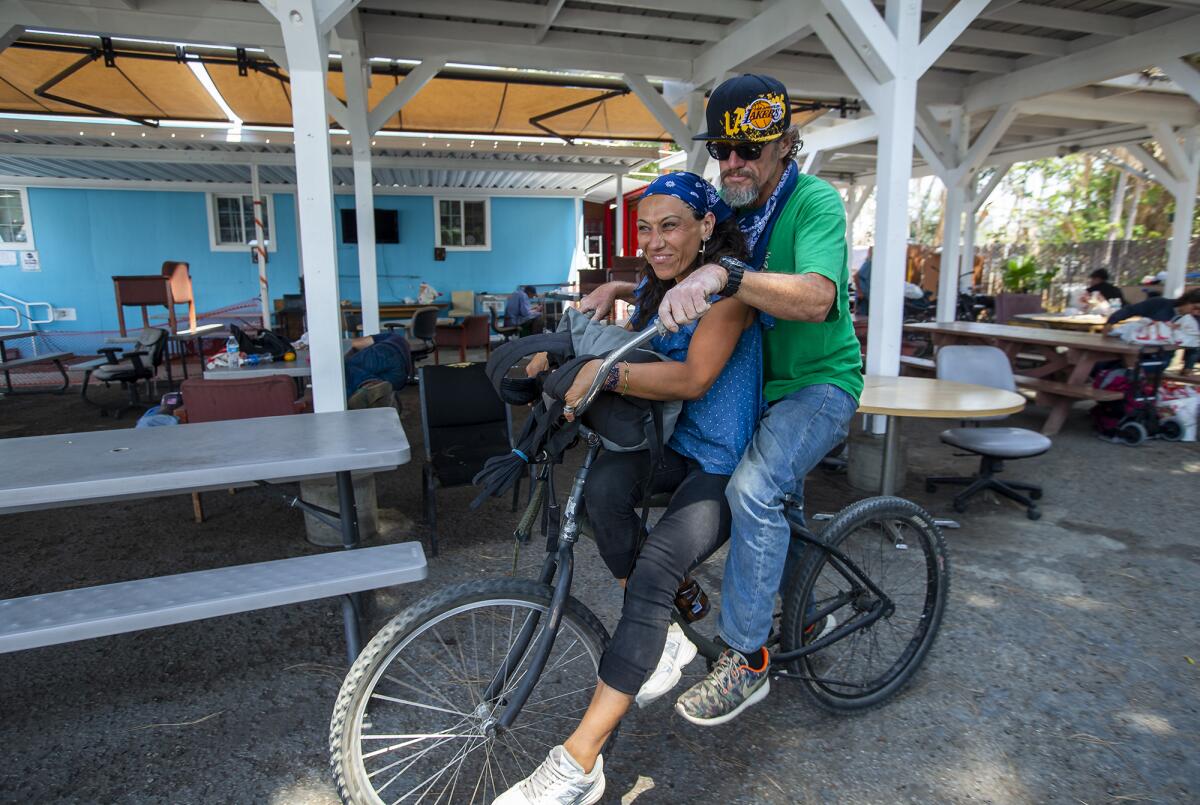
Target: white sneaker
(677, 653)
(828, 626)
(560, 780)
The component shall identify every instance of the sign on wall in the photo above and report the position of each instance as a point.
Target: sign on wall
(30, 261)
(8, 258)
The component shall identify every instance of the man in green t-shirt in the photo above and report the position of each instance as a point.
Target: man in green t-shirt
(795, 227)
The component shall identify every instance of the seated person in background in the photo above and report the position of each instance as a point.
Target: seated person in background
(1160, 308)
(1098, 283)
(518, 312)
(862, 283)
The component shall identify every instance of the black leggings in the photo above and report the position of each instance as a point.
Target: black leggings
(694, 525)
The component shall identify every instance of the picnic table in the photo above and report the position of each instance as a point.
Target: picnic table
(1077, 322)
(1065, 360)
(73, 469)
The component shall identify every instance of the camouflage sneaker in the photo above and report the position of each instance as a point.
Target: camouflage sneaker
(372, 394)
(730, 688)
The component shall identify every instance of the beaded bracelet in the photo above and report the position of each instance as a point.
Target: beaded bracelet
(614, 377)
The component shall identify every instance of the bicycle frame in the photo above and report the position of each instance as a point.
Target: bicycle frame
(562, 532)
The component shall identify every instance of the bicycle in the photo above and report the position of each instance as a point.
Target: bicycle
(461, 695)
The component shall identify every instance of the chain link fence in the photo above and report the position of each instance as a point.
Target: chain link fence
(1127, 261)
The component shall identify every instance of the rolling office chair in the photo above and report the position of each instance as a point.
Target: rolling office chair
(422, 336)
(988, 366)
(504, 331)
(129, 367)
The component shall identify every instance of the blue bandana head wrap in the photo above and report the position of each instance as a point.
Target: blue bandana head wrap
(692, 190)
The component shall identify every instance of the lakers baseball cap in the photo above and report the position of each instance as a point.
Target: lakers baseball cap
(749, 107)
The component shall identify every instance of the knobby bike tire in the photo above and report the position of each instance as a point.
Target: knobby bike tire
(354, 784)
(803, 586)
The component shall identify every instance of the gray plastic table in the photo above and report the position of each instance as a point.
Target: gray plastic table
(74, 469)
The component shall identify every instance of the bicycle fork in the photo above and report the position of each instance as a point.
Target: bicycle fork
(562, 563)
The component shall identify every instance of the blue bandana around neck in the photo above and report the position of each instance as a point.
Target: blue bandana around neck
(693, 191)
(757, 224)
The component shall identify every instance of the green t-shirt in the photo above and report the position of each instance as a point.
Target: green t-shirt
(810, 235)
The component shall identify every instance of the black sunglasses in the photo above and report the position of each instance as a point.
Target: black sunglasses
(720, 151)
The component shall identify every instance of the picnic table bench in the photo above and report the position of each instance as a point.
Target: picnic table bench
(1067, 359)
(43, 472)
(54, 358)
(928, 368)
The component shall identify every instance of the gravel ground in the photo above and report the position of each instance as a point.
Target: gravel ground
(1061, 673)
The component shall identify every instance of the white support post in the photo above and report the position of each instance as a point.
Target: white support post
(619, 229)
(897, 114)
(956, 193)
(894, 171)
(356, 76)
(856, 199)
(813, 162)
(1179, 173)
(975, 198)
(579, 257)
(1185, 213)
(951, 253)
(307, 58)
(697, 152)
(260, 247)
(884, 59)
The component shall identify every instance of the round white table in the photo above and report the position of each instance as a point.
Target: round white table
(927, 397)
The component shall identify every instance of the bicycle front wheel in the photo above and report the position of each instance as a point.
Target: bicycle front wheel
(897, 545)
(411, 720)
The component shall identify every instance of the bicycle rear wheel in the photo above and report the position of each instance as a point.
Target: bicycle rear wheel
(896, 544)
(410, 720)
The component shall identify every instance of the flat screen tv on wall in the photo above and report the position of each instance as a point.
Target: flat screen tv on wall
(387, 226)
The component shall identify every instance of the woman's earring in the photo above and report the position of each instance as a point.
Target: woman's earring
(703, 243)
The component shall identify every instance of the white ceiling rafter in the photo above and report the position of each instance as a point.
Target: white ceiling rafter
(779, 24)
(1126, 55)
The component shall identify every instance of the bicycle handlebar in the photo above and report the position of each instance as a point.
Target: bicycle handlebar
(613, 358)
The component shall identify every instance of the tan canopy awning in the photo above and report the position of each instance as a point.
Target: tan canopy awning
(163, 88)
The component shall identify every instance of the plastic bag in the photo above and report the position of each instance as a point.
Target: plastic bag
(426, 293)
(1149, 334)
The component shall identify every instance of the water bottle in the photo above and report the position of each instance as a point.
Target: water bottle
(691, 601)
(231, 350)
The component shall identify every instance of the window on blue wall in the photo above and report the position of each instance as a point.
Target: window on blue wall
(14, 217)
(463, 224)
(231, 222)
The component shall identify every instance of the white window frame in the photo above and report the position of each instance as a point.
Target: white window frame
(30, 244)
(213, 246)
(487, 222)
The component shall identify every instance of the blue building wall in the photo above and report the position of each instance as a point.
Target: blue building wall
(84, 237)
(532, 242)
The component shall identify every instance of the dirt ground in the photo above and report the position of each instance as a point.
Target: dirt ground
(1065, 670)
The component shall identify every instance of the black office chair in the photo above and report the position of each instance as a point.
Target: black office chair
(129, 365)
(465, 423)
(504, 331)
(422, 335)
(988, 366)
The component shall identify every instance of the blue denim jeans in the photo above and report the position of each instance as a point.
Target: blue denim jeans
(792, 438)
(387, 359)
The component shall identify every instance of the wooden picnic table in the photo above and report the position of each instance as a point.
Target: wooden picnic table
(1068, 358)
(1077, 322)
